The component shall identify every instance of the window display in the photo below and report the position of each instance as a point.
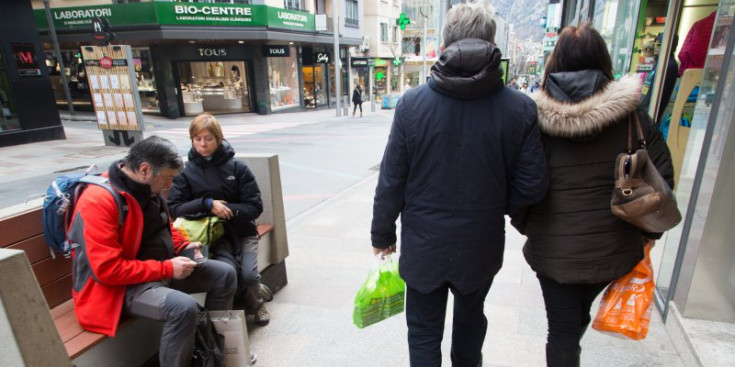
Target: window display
(315, 81)
(76, 78)
(283, 80)
(214, 87)
(146, 80)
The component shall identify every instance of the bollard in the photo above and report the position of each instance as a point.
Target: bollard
(372, 103)
(346, 106)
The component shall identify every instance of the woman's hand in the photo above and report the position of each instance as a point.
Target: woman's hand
(220, 209)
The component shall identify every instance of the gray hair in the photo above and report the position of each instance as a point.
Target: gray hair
(160, 153)
(472, 20)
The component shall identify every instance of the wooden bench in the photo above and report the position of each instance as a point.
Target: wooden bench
(24, 231)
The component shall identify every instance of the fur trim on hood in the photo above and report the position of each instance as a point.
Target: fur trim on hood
(591, 115)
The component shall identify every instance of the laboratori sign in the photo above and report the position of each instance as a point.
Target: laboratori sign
(80, 16)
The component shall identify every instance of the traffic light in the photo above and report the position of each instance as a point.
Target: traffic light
(403, 21)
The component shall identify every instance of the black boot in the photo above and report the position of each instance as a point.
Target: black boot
(562, 358)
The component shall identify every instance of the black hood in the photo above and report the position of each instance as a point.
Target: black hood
(223, 153)
(574, 86)
(468, 69)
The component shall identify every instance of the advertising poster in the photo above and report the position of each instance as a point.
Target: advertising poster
(114, 90)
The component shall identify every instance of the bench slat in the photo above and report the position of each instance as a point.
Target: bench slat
(60, 310)
(82, 342)
(58, 292)
(50, 270)
(35, 248)
(20, 226)
(264, 228)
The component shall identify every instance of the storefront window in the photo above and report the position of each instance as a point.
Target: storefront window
(705, 278)
(616, 21)
(146, 80)
(8, 114)
(76, 78)
(283, 78)
(214, 87)
(315, 85)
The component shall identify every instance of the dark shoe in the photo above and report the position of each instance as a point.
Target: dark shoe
(262, 317)
(265, 292)
(562, 358)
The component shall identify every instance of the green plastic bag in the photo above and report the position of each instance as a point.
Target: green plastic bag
(381, 296)
(205, 230)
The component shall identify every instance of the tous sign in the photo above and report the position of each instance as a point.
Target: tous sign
(212, 52)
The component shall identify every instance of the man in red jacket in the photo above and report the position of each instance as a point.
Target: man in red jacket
(137, 269)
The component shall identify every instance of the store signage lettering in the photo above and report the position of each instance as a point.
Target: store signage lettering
(322, 57)
(212, 52)
(178, 13)
(83, 13)
(212, 10)
(362, 62)
(276, 51)
(25, 59)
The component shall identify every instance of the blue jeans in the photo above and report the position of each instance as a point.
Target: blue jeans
(425, 314)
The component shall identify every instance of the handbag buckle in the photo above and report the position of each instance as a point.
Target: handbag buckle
(626, 191)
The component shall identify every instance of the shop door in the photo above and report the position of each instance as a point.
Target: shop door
(214, 87)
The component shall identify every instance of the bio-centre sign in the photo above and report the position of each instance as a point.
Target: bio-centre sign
(171, 13)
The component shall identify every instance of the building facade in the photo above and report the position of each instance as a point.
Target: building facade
(219, 57)
(27, 109)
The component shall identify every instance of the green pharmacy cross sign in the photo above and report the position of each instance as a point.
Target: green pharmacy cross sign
(379, 76)
(403, 21)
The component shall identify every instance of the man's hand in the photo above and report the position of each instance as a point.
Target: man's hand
(183, 266)
(220, 209)
(649, 242)
(384, 251)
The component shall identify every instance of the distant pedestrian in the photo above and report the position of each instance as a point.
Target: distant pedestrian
(513, 83)
(463, 151)
(575, 244)
(357, 99)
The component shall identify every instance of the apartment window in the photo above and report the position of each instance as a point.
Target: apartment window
(351, 13)
(294, 4)
(395, 34)
(384, 32)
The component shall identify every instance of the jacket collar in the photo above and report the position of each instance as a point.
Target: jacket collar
(590, 115)
(467, 69)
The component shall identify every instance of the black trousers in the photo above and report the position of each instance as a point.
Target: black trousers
(425, 314)
(355, 108)
(568, 311)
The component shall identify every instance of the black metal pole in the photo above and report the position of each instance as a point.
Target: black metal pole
(59, 58)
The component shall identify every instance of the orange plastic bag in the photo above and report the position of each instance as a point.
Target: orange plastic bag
(626, 305)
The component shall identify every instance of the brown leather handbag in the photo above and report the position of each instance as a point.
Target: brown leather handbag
(641, 196)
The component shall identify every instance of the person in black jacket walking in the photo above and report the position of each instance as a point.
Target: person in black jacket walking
(357, 99)
(463, 151)
(214, 182)
(575, 244)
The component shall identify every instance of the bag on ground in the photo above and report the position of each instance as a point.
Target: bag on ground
(381, 296)
(206, 230)
(231, 324)
(208, 344)
(58, 208)
(625, 308)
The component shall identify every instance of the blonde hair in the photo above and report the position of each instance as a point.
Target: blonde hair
(207, 122)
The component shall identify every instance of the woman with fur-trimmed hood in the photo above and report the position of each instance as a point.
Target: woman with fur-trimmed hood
(575, 244)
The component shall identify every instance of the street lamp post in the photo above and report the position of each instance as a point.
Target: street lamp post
(424, 49)
(337, 86)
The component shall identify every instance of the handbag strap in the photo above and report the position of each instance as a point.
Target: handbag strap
(639, 130)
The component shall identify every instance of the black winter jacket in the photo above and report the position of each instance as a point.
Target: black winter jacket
(221, 178)
(573, 237)
(463, 151)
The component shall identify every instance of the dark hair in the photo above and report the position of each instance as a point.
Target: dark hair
(160, 153)
(579, 48)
